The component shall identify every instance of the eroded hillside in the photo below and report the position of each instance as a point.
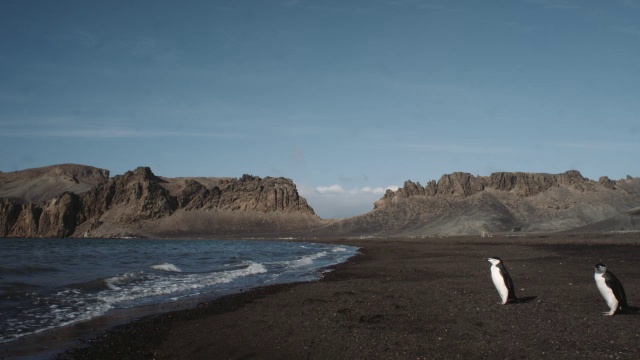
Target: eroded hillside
(138, 203)
(79, 201)
(463, 204)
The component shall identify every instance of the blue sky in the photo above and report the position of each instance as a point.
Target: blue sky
(346, 98)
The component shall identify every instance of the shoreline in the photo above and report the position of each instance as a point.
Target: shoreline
(408, 298)
(54, 342)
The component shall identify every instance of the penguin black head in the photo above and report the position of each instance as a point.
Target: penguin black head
(600, 268)
(494, 260)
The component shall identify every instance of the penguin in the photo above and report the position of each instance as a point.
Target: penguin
(502, 280)
(611, 289)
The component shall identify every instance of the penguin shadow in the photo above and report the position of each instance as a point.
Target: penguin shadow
(629, 310)
(522, 300)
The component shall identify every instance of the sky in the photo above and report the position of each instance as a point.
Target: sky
(346, 98)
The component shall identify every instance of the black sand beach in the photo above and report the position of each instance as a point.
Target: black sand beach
(411, 299)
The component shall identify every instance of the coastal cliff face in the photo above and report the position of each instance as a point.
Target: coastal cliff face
(249, 193)
(54, 218)
(79, 201)
(463, 204)
(462, 185)
(138, 203)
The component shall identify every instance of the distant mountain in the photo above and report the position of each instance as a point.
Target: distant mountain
(42, 184)
(82, 201)
(463, 204)
(623, 222)
(140, 204)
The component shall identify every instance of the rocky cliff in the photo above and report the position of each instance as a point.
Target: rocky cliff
(42, 184)
(463, 204)
(462, 185)
(139, 203)
(79, 201)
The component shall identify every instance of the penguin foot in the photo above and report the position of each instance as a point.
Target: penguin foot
(608, 313)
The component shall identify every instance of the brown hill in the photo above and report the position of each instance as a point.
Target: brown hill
(78, 201)
(139, 203)
(628, 221)
(152, 206)
(42, 184)
(463, 204)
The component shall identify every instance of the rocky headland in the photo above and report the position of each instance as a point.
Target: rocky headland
(82, 201)
(140, 204)
(514, 202)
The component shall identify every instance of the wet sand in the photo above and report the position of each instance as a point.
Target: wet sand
(411, 299)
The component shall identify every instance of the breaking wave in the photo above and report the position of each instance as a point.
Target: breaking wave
(305, 260)
(166, 267)
(80, 285)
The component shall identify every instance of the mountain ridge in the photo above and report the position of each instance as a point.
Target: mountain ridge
(83, 201)
(463, 204)
(138, 202)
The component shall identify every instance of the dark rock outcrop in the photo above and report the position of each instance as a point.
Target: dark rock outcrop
(80, 201)
(461, 185)
(139, 194)
(10, 211)
(59, 216)
(193, 190)
(56, 218)
(249, 193)
(136, 198)
(460, 203)
(252, 193)
(606, 182)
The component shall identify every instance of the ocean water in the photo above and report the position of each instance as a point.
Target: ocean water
(50, 283)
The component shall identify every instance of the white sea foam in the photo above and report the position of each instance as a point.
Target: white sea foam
(166, 267)
(68, 306)
(72, 305)
(305, 260)
(160, 280)
(172, 284)
(116, 282)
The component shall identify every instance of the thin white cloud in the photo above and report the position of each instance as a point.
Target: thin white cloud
(462, 149)
(108, 133)
(105, 128)
(633, 4)
(334, 201)
(555, 4)
(626, 29)
(339, 190)
(331, 189)
(77, 36)
(289, 3)
(302, 130)
(377, 190)
(596, 145)
(131, 46)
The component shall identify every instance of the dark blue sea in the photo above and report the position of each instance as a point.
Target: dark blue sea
(51, 283)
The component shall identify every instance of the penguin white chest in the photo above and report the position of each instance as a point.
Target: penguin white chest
(606, 292)
(498, 282)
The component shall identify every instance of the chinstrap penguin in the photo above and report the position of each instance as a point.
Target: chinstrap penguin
(611, 289)
(502, 280)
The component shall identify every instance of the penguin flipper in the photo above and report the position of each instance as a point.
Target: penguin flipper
(616, 286)
(509, 284)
